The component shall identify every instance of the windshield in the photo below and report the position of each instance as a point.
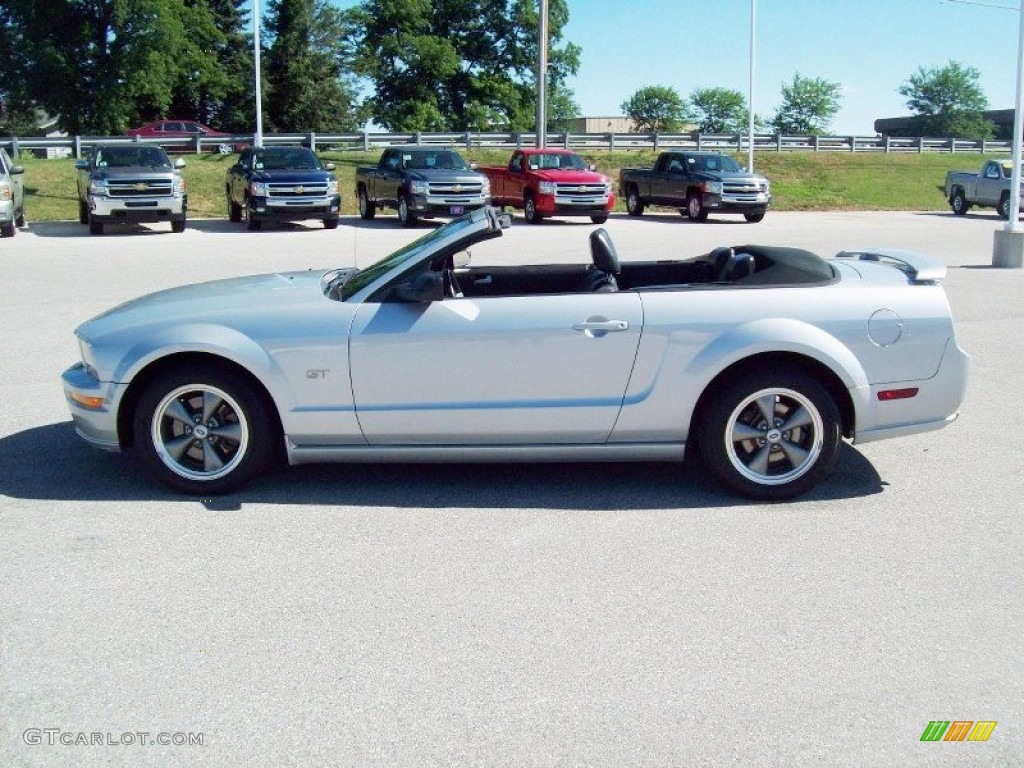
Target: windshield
(281, 158)
(712, 163)
(441, 159)
(407, 255)
(557, 162)
(124, 157)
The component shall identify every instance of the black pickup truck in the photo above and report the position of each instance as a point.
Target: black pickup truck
(282, 184)
(697, 183)
(421, 181)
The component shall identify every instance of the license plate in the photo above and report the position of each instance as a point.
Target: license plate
(458, 210)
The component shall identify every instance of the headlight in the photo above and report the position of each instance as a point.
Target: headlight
(258, 189)
(85, 350)
(332, 187)
(5, 191)
(767, 186)
(98, 187)
(547, 187)
(715, 187)
(485, 188)
(178, 186)
(418, 187)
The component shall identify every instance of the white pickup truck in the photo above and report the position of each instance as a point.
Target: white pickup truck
(990, 188)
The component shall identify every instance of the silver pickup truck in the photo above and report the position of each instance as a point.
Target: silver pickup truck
(130, 183)
(990, 188)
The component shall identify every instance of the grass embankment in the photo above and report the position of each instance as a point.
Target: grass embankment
(801, 181)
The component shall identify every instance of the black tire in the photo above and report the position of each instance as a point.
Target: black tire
(178, 225)
(331, 223)
(959, 203)
(251, 222)
(406, 217)
(83, 213)
(1004, 206)
(773, 461)
(754, 218)
(695, 210)
(7, 230)
(530, 210)
(599, 218)
(234, 211)
(95, 227)
(367, 210)
(634, 205)
(237, 430)
(20, 220)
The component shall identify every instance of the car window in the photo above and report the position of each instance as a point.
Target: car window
(277, 159)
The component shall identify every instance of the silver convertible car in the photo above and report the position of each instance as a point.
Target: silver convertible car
(758, 359)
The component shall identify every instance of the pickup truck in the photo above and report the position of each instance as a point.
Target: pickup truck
(696, 183)
(12, 195)
(990, 188)
(130, 183)
(281, 184)
(551, 182)
(420, 182)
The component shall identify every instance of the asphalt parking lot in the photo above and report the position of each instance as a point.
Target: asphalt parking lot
(537, 615)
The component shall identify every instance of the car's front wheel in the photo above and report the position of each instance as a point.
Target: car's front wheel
(406, 217)
(770, 435)
(83, 213)
(178, 225)
(755, 217)
(234, 210)
(331, 222)
(530, 210)
(202, 430)
(695, 209)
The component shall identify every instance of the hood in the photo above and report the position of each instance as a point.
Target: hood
(729, 176)
(135, 171)
(446, 175)
(214, 301)
(292, 175)
(570, 176)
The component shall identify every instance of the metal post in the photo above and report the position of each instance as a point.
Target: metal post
(257, 138)
(750, 97)
(542, 75)
(1008, 245)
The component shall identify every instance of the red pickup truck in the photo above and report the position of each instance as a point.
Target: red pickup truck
(551, 182)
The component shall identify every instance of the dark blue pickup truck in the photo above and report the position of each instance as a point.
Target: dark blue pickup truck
(697, 183)
(282, 184)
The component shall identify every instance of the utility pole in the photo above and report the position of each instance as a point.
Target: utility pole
(542, 75)
(257, 138)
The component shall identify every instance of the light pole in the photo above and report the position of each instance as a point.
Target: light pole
(542, 76)
(257, 138)
(1008, 246)
(750, 91)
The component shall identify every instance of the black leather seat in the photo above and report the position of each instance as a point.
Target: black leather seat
(600, 277)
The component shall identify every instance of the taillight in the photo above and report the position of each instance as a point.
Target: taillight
(897, 394)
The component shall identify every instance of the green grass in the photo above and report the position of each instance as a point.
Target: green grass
(801, 181)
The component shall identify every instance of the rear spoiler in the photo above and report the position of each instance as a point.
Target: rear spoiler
(917, 266)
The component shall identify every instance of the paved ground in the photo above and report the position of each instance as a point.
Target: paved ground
(496, 615)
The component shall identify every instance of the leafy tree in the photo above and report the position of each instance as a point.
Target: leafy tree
(808, 106)
(719, 110)
(459, 64)
(948, 102)
(656, 109)
(308, 88)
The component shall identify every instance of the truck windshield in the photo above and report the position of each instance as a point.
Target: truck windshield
(125, 157)
(713, 163)
(281, 158)
(441, 159)
(557, 162)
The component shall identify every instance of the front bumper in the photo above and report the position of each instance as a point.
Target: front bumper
(738, 203)
(563, 205)
(97, 426)
(145, 209)
(448, 205)
(6, 211)
(295, 208)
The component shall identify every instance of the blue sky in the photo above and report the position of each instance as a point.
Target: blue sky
(869, 47)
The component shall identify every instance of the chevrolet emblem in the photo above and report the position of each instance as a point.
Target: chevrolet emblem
(457, 188)
(299, 190)
(141, 186)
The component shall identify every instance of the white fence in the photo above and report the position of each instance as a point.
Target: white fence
(77, 145)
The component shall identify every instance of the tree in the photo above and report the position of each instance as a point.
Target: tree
(719, 110)
(948, 102)
(308, 90)
(459, 64)
(808, 106)
(656, 109)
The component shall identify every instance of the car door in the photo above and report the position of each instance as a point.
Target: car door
(493, 371)
(990, 184)
(238, 176)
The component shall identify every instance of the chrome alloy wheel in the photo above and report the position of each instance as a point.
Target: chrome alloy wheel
(199, 432)
(774, 436)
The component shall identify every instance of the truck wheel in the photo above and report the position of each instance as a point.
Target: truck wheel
(530, 210)
(695, 209)
(405, 215)
(959, 203)
(234, 210)
(20, 220)
(95, 227)
(202, 430)
(367, 210)
(599, 218)
(1004, 206)
(178, 225)
(83, 213)
(634, 205)
(7, 230)
(331, 223)
(251, 222)
(770, 434)
(753, 218)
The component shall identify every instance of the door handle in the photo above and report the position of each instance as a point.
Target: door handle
(601, 325)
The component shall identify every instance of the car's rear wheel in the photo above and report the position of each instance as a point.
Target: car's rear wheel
(202, 430)
(367, 210)
(634, 205)
(959, 203)
(406, 217)
(695, 209)
(770, 435)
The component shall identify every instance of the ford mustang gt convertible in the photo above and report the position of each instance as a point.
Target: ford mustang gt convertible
(758, 359)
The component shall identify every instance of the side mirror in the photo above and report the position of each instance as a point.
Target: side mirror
(591, 167)
(473, 166)
(179, 163)
(461, 259)
(329, 166)
(16, 169)
(422, 289)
